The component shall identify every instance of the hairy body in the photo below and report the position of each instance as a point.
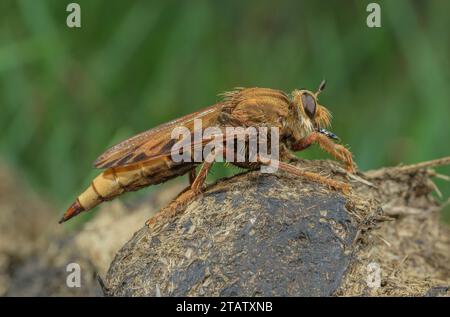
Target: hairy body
(145, 159)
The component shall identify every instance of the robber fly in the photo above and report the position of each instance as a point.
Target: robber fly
(145, 159)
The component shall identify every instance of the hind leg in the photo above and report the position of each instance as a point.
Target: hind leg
(187, 195)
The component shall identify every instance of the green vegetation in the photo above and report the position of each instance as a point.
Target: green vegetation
(68, 94)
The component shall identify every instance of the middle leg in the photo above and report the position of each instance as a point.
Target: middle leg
(294, 170)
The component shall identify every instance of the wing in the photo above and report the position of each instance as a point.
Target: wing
(155, 142)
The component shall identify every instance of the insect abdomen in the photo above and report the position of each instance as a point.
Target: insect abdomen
(115, 181)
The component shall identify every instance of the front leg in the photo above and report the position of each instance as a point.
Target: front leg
(336, 150)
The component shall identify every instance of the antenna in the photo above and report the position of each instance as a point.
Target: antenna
(321, 87)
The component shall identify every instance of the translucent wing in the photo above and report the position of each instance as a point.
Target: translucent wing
(155, 142)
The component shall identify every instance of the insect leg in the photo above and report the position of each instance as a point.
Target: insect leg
(192, 176)
(196, 186)
(336, 150)
(286, 155)
(185, 196)
(345, 188)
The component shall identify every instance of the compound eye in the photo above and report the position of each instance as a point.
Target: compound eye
(309, 104)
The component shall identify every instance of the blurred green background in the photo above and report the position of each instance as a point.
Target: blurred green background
(68, 94)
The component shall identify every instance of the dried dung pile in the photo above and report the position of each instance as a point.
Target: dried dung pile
(412, 248)
(274, 235)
